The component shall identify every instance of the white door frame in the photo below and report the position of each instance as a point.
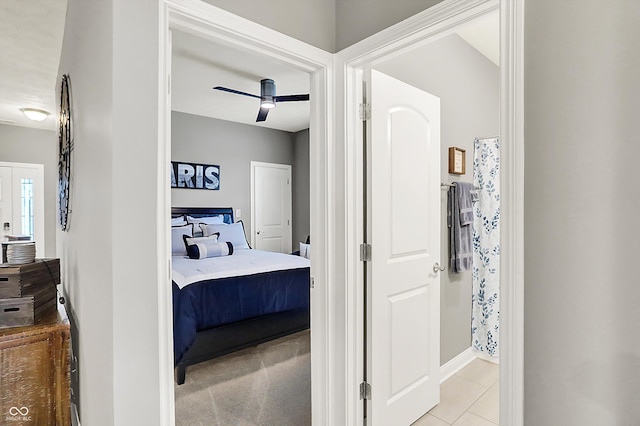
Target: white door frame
(209, 22)
(255, 164)
(422, 28)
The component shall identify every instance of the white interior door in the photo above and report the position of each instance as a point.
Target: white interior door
(271, 207)
(22, 202)
(403, 336)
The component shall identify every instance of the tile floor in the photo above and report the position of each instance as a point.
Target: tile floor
(469, 398)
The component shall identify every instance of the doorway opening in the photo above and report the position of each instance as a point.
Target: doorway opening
(462, 70)
(382, 52)
(219, 137)
(22, 211)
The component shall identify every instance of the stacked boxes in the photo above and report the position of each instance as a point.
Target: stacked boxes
(28, 291)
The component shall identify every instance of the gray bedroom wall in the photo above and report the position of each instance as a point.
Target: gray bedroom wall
(313, 22)
(301, 188)
(581, 301)
(233, 147)
(28, 145)
(467, 84)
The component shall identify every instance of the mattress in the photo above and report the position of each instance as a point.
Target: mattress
(243, 262)
(247, 284)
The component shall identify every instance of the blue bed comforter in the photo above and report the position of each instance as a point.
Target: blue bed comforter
(212, 303)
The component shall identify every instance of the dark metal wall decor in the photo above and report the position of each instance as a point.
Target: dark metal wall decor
(65, 147)
(195, 176)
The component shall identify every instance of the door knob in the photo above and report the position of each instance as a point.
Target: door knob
(437, 268)
(258, 232)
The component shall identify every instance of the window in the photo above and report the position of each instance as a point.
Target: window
(26, 204)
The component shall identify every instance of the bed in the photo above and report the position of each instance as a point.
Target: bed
(224, 304)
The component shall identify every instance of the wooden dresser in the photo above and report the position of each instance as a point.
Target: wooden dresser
(34, 372)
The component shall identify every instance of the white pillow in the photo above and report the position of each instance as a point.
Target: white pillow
(209, 220)
(234, 233)
(305, 250)
(178, 221)
(177, 243)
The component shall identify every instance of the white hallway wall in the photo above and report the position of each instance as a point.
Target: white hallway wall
(86, 266)
(313, 22)
(580, 58)
(582, 97)
(110, 50)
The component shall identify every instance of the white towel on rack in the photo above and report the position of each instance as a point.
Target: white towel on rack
(464, 193)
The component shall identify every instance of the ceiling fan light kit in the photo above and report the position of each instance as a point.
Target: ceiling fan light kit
(268, 98)
(267, 93)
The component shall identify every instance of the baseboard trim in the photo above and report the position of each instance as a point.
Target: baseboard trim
(456, 364)
(486, 357)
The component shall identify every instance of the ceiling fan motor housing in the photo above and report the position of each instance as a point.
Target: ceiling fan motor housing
(267, 93)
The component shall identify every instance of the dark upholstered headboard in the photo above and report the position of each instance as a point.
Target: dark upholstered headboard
(227, 212)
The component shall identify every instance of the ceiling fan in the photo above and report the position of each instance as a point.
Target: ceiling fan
(268, 98)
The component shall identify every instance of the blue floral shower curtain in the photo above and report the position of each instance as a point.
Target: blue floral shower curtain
(485, 300)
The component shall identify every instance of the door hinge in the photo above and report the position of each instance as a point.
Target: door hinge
(313, 282)
(365, 390)
(365, 112)
(365, 252)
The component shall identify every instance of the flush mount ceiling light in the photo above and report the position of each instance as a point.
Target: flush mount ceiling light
(35, 114)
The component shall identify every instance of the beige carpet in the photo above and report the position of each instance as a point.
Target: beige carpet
(266, 385)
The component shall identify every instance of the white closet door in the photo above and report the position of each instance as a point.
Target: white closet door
(271, 207)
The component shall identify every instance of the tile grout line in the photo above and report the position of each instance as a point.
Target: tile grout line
(484, 392)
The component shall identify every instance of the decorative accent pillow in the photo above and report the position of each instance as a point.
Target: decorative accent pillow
(233, 233)
(177, 243)
(203, 247)
(196, 221)
(305, 250)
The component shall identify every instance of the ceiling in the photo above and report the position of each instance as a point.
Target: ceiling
(31, 34)
(484, 34)
(31, 40)
(198, 65)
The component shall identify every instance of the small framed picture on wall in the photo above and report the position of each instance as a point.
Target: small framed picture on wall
(457, 160)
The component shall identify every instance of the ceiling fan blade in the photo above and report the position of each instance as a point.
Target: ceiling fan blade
(291, 98)
(262, 114)
(237, 92)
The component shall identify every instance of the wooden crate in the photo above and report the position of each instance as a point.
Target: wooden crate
(37, 279)
(16, 312)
